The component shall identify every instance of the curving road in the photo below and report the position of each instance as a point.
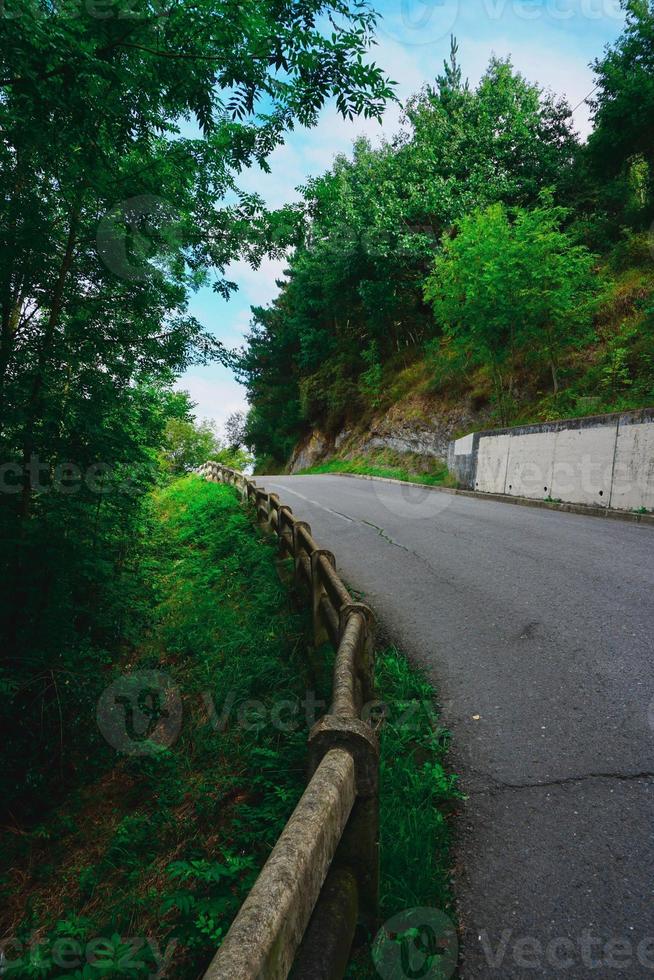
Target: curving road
(537, 627)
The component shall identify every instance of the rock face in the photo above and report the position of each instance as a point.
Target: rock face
(417, 425)
(309, 452)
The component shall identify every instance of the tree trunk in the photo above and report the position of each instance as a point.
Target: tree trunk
(51, 325)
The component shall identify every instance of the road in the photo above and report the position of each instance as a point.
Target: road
(537, 628)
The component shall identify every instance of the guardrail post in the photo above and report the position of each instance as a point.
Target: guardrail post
(298, 550)
(273, 508)
(320, 634)
(259, 495)
(244, 490)
(365, 665)
(285, 529)
(359, 847)
(325, 949)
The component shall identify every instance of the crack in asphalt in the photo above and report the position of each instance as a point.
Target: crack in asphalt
(396, 544)
(358, 520)
(382, 533)
(500, 786)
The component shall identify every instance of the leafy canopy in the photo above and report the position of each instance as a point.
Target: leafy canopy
(352, 300)
(126, 126)
(512, 285)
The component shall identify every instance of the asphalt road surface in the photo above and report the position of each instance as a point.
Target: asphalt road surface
(537, 628)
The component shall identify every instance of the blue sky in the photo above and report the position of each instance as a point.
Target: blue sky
(551, 42)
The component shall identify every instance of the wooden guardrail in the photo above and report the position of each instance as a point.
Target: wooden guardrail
(322, 876)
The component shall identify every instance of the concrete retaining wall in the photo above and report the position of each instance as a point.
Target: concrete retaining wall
(605, 460)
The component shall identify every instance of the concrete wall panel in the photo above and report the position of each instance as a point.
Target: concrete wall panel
(604, 461)
(491, 463)
(633, 474)
(531, 460)
(583, 464)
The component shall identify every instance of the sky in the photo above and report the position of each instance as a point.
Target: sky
(551, 42)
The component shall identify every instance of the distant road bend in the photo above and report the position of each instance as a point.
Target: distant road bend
(537, 627)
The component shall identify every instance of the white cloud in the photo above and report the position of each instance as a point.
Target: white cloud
(216, 398)
(257, 286)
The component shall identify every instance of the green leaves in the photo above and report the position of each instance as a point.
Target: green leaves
(125, 125)
(512, 288)
(352, 302)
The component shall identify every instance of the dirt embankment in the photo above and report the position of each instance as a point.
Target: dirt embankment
(418, 426)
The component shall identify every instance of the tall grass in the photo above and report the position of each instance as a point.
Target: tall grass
(436, 476)
(166, 846)
(417, 797)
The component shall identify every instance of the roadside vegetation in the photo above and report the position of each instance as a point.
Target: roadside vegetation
(124, 140)
(389, 465)
(418, 794)
(160, 847)
(164, 845)
(485, 259)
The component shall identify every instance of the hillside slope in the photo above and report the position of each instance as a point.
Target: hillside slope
(416, 416)
(483, 267)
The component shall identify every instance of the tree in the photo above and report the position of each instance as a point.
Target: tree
(235, 430)
(351, 300)
(623, 108)
(509, 283)
(187, 445)
(125, 127)
(100, 176)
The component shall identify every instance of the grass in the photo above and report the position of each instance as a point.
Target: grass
(436, 475)
(165, 846)
(417, 798)
(160, 849)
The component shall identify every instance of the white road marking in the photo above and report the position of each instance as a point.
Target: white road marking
(285, 489)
